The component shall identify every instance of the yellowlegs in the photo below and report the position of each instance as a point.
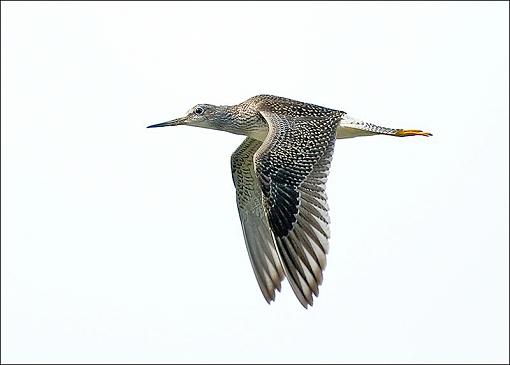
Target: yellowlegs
(280, 172)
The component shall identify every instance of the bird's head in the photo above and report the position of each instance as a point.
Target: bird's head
(201, 115)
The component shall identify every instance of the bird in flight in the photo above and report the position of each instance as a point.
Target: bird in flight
(280, 172)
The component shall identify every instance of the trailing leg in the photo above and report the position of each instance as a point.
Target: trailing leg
(351, 127)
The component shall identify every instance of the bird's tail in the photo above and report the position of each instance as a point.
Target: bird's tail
(350, 127)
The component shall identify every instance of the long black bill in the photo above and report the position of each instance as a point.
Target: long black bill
(169, 124)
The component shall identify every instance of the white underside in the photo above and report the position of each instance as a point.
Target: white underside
(347, 128)
(349, 132)
(350, 127)
(259, 134)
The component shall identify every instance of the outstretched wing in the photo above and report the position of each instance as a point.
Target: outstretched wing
(292, 166)
(257, 235)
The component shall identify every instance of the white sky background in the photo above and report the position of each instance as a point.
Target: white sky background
(123, 244)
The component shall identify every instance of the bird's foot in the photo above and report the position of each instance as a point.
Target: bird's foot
(412, 132)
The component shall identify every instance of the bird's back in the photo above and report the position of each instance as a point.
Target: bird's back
(290, 107)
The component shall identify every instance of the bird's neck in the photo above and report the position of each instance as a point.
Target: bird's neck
(245, 121)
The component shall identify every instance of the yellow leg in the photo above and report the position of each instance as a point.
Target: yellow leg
(411, 132)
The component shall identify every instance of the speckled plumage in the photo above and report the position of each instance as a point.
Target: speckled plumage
(280, 173)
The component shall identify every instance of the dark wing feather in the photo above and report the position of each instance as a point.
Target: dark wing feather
(292, 165)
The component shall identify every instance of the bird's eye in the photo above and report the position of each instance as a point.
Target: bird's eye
(199, 110)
